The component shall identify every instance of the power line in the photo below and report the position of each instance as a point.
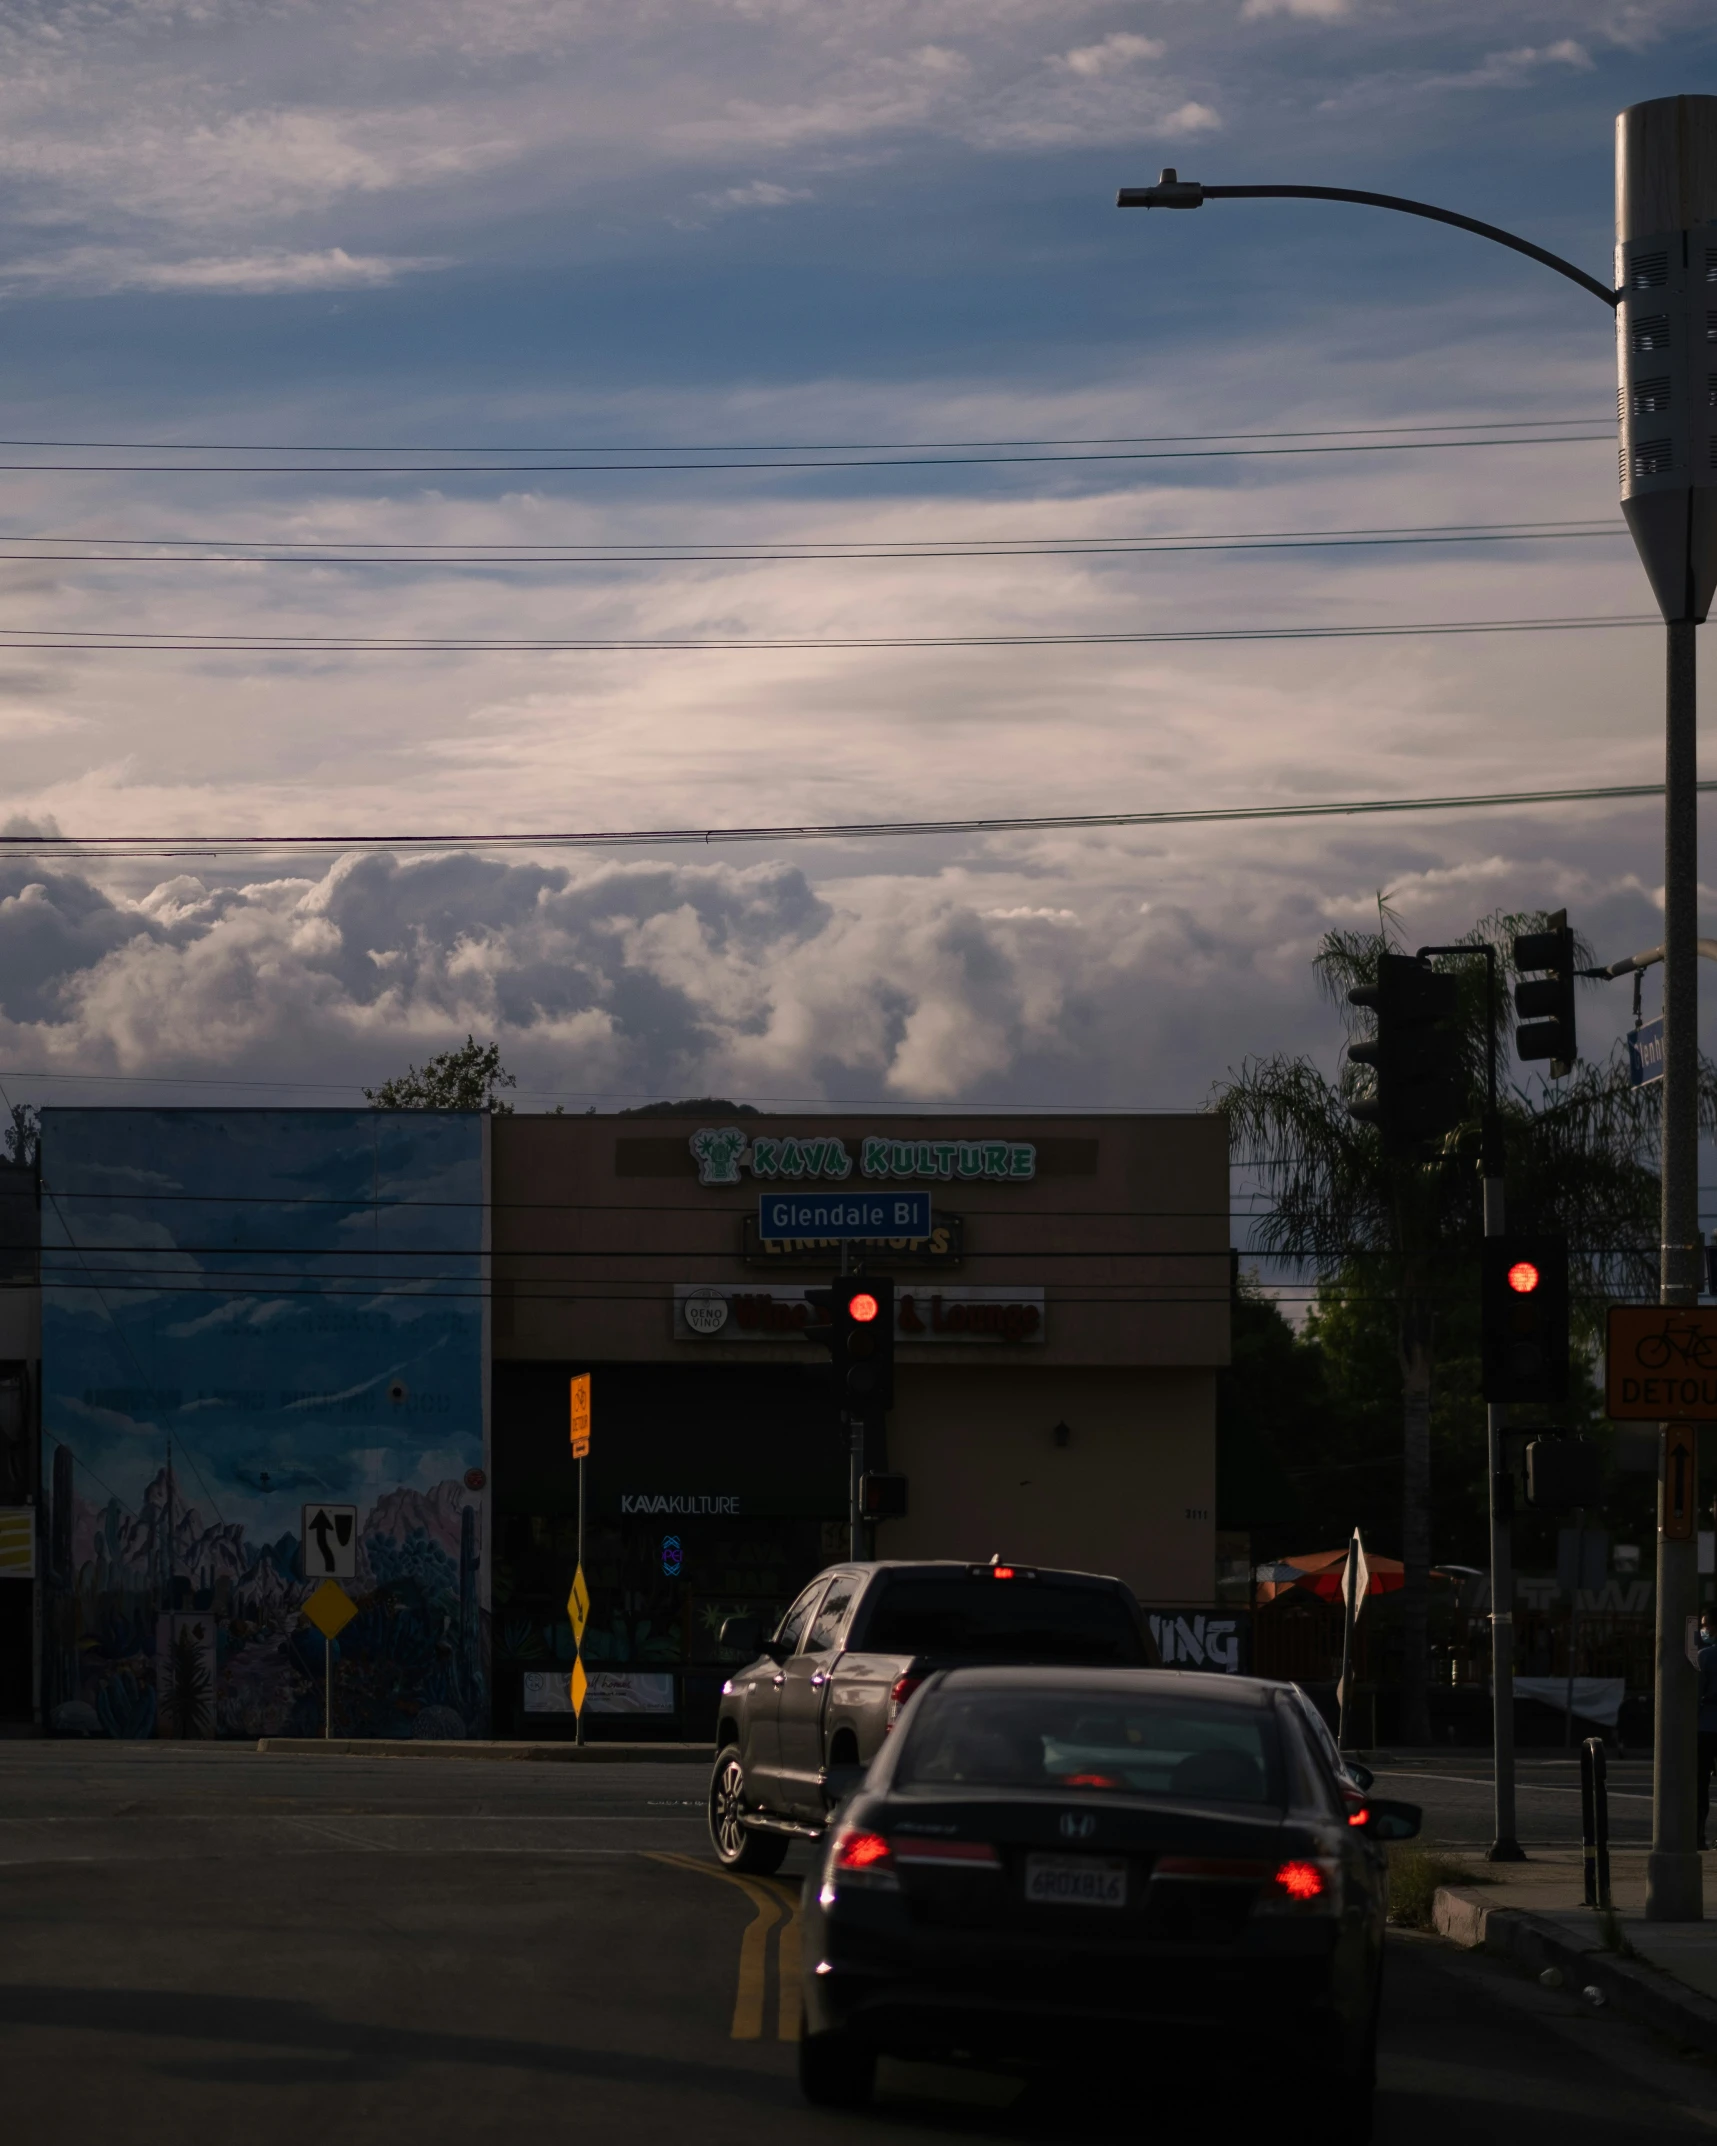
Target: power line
(190, 641)
(1102, 439)
(1026, 823)
(499, 556)
(1579, 525)
(611, 469)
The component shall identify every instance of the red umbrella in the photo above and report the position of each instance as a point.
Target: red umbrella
(1320, 1574)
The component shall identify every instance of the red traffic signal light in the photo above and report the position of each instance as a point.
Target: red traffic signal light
(1523, 1277)
(863, 1308)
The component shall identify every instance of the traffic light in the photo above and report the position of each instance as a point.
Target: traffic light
(1420, 1092)
(1525, 1304)
(855, 1323)
(882, 1496)
(1563, 1474)
(1547, 1003)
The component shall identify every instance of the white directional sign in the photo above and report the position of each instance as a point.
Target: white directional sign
(330, 1542)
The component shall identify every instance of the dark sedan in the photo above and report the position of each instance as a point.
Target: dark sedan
(1048, 1862)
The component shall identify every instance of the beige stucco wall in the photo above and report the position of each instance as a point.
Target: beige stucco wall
(1133, 1491)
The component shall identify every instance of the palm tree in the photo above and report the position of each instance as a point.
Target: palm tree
(1580, 1158)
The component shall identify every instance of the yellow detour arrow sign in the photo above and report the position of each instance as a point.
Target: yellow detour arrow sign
(580, 1685)
(330, 1609)
(581, 1415)
(578, 1607)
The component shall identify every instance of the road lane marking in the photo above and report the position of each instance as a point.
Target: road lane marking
(775, 1899)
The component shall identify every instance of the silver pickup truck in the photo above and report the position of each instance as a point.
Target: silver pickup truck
(799, 1725)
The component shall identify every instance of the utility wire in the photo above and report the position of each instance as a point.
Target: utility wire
(797, 462)
(193, 641)
(213, 845)
(635, 447)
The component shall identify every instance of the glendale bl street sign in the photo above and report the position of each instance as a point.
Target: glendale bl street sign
(859, 1215)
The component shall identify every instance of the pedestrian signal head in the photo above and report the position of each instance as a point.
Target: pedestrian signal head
(1523, 1277)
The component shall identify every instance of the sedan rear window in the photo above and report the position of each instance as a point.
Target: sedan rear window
(971, 1618)
(1170, 1747)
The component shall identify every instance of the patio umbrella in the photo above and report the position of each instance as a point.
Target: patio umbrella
(1319, 1573)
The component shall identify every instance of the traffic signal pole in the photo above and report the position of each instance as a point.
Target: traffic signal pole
(1666, 245)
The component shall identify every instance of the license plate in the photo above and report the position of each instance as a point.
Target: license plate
(1077, 1881)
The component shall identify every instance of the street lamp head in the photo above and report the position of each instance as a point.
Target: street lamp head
(1170, 192)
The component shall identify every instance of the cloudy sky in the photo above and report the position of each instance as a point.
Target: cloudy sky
(300, 296)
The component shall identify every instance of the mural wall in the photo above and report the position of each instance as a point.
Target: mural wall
(244, 1311)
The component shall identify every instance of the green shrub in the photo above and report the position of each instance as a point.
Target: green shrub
(1414, 1876)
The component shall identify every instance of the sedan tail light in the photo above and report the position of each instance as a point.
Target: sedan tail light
(858, 1857)
(1302, 1885)
(903, 1689)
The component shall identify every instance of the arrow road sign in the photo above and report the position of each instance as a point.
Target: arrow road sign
(578, 1607)
(328, 1542)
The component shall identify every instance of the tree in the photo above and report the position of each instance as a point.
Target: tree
(21, 1133)
(468, 1078)
(1580, 1158)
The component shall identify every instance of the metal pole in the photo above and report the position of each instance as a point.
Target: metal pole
(327, 1689)
(1504, 1847)
(1673, 1888)
(1574, 1623)
(578, 1725)
(1589, 1822)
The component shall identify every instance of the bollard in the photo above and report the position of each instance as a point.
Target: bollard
(1594, 1823)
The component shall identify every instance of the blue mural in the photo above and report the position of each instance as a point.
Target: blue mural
(244, 1311)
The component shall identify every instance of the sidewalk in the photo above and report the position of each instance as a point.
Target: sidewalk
(1661, 1974)
(559, 1754)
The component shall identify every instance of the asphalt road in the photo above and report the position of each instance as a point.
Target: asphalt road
(1457, 1796)
(201, 1942)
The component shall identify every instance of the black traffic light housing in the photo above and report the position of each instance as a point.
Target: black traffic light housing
(855, 1324)
(1525, 1305)
(882, 1496)
(1547, 1002)
(1415, 1053)
(1563, 1475)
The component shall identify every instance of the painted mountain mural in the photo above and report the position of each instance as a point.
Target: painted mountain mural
(245, 1312)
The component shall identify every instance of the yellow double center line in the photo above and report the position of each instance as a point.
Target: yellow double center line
(773, 1899)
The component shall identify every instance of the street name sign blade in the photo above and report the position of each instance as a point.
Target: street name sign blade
(578, 1686)
(1680, 1487)
(1661, 1363)
(578, 1607)
(856, 1215)
(1645, 1053)
(330, 1609)
(328, 1542)
(581, 1416)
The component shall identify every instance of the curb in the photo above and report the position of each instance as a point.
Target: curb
(1640, 1992)
(405, 1747)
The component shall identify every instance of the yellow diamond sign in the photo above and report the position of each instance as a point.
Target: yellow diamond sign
(330, 1609)
(580, 1685)
(578, 1606)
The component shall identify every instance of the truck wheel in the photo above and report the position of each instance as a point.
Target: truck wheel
(836, 2072)
(737, 1845)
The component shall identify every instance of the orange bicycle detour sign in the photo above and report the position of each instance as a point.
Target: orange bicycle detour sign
(1661, 1363)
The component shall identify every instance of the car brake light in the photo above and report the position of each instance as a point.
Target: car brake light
(1359, 1817)
(861, 1851)
(1300, 1881)
(1001, 1572)
(902, 1690)
(1089, 1780)
(858, 1858)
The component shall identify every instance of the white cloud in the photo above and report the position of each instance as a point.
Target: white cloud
(1187, 120)
(1311, 10)
(1121, 48)
(94, 269)
(757, 194)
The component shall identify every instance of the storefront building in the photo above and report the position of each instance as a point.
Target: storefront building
(1057, 1341)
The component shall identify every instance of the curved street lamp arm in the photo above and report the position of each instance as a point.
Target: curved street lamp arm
(1175, 193)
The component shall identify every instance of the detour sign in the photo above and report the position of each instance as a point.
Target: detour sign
(1661, 1363)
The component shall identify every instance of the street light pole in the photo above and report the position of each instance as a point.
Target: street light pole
(1665, 304)
(1666, 270)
